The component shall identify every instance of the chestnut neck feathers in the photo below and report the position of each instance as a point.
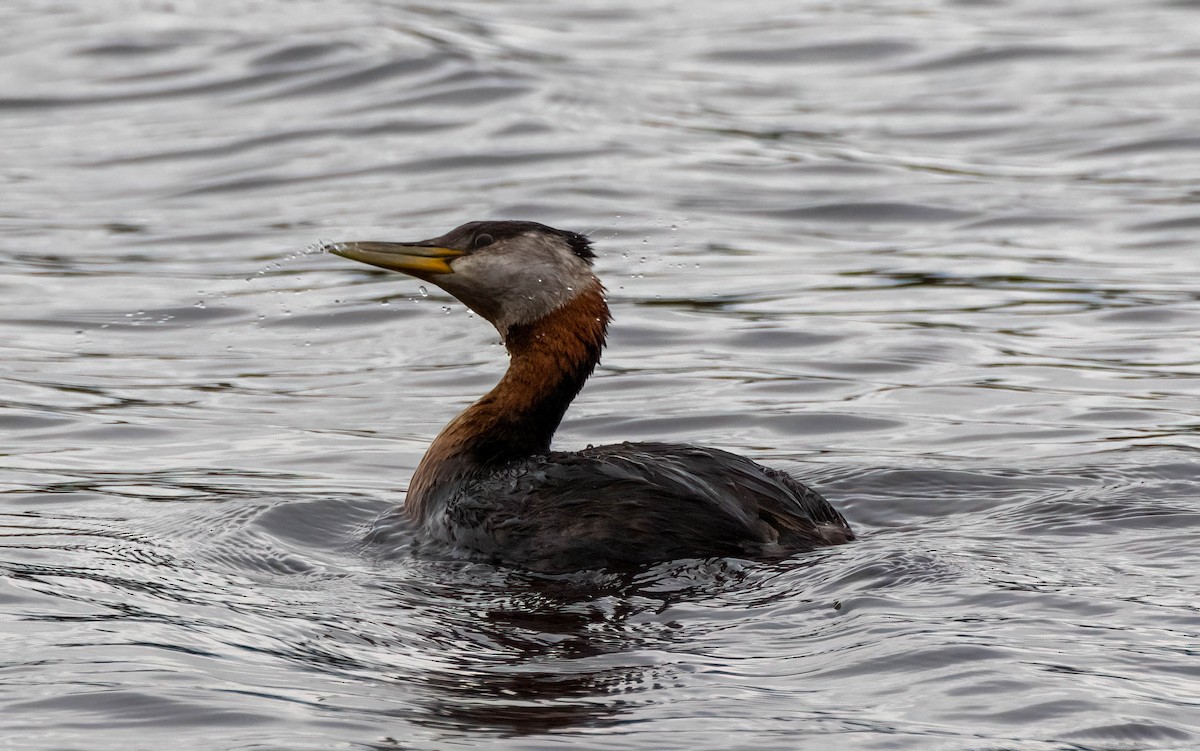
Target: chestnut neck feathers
(551, 358)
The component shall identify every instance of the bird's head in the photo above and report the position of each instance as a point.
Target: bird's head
(509, 272)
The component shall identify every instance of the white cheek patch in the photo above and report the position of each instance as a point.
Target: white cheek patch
(521, 286)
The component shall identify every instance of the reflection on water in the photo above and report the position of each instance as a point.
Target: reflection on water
(936, 261)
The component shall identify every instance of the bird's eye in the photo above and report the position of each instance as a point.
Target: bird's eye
(482, 241)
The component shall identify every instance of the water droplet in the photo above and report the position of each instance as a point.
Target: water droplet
(446, 309)
(424, 292)
(200, 304)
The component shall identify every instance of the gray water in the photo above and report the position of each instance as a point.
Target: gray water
(936, 259)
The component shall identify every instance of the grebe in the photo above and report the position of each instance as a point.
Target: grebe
(490, 487)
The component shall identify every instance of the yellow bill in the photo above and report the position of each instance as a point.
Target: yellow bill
(410, 259)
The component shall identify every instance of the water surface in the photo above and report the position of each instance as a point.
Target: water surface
(936, 259)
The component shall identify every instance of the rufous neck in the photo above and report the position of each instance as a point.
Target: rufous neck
(551, 358)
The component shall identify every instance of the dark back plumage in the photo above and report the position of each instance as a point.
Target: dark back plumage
(633, 503)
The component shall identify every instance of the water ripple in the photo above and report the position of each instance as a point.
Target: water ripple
(934, 263)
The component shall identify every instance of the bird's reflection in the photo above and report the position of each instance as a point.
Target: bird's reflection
(527, 654)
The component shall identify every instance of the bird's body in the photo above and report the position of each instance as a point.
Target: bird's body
(490, 485)
(628, 504)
